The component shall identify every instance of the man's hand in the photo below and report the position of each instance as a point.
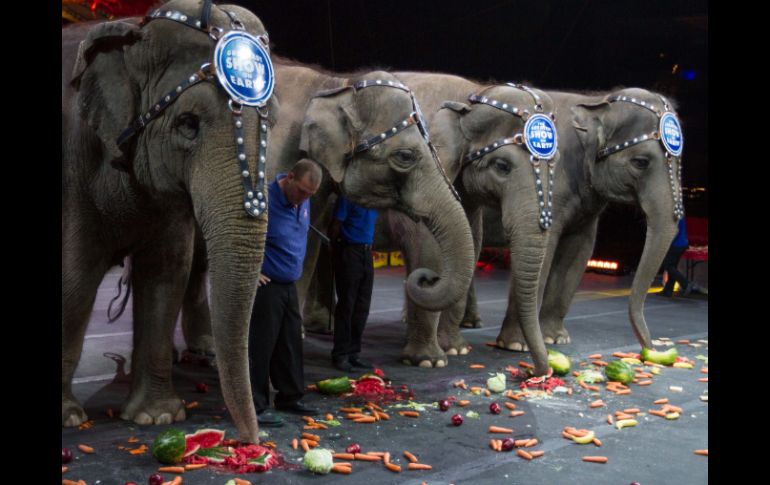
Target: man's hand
(263, 280)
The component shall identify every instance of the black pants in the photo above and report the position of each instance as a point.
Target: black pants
(275, 345)
(670, 263)
(354, 277)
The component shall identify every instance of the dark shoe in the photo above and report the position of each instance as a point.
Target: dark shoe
(269, 420)
(360, 364)
(342, 364)
(297, 408)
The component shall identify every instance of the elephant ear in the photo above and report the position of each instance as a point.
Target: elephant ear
(587, 119)
(331, 121)
(448, 136)
(107, 99)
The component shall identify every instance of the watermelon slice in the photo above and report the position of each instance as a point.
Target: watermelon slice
(216, 454)
(204, 438)
(191, 448)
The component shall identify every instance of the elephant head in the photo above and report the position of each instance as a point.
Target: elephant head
(633, 141)
(370, 138)
(497, 167)
(150, 109)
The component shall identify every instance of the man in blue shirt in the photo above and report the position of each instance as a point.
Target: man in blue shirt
(275, 335)
(670, 262)
(352, 231)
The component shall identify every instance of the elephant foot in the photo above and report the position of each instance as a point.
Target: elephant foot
(472, 322)
(72, 413)
(157, 411)
(203, 345)
(512, 340)
(555, 333)
(427, 356)
(454, 344)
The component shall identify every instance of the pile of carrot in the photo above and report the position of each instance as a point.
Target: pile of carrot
(313, 424)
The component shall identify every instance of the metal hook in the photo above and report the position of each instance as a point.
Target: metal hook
(216, 33)
(235, 106)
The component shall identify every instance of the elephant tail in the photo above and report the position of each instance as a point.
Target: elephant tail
(125, 280)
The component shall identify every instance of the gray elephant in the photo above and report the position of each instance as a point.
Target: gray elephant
(395, 174)
(475, 141)
(624, 146)
(150, 148)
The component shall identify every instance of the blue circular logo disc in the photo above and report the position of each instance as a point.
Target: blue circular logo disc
(671, 134)
(244, 68)
(540, 136)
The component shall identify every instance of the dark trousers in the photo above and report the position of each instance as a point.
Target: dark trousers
(669, 265)
(354, 278)
(275, 345)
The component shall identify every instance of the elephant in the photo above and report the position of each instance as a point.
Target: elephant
(326, 128)
(625, 147)
(504, 177)
(149, 152)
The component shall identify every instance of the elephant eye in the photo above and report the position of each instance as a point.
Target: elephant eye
(188, 125)
(502, 166)
(640, 162)
(404, 157)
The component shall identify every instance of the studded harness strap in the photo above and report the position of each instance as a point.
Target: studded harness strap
(254, 193)
(545, 201)
(657, 135)
(414, 118)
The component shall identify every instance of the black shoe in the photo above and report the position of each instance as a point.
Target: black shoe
(297, 408)
(360, 364)
(342, 364)
(269, 420)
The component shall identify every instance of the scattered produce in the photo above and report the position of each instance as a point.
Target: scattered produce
(354, 448)
(619, 371)
(169, 446)
(444, 405)
(318, 460)
(155, 479)
(560, 363)
(665, 358)
(334, 386)
(496, 383)
(495, 408)
(66, 455)
(457, 420)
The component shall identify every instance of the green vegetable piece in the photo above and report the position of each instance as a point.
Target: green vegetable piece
(334, 386)
(672, 415)
(584, 440)
(590, 376)
(664, 358)
(625, 423)
(169, 446)
(619, 371)
(318, 460)
(496, 383)
(560, 363)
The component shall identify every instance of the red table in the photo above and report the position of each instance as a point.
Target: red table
(694, 255)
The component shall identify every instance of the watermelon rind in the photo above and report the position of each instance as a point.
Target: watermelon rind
(206, 438)
(191, 450)
(169, 446)
(216, 454)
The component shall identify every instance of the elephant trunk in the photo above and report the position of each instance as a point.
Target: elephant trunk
(235, 246)
(661, 230)
(527, 245)
(446, 220)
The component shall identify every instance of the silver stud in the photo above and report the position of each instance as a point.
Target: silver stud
(255, 202)
(250, 194)
(495, 145)
(255, 212)
(542, 204)
(538, 182)
(625, 144)
(184, 18)
(168, 98)
(261, 174)
(147, 116)
(168, 14)
(179, 89)
(262, 159)
(390, 83)
(617, 147)
(245, 173)
(264, 127)
(537, 171)
(486, 149)
(633, 100)
(247, 205)
(394, 129)
(515, 110)
(379, 82)
(175, 15)
(263, 143)
(550, 204)
(197, 23)
(259, 195)
(540, 193)
(261, 205)
(192, 79)
(636, 140)
(238, 124)
(494, 103)
(383, 136)
(241, 156)
(505, 105)
(404, 123)
(239, 140)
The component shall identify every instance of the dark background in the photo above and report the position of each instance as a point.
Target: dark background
(661, 45)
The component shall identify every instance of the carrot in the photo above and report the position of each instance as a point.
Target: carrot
(393, 467)
(312, 443)
(85, 449)
(684, 342)
(367, 419)
(350, 410)
(619, 416)
(475, 389)
(516, 413)
(661, 401)
(477, 366)
(64, 469)
(595, 459)
(600, 363)
(320, 426)
(531, 443)
(643, 383)
(313, 437)
(656, 412)
(329, 417)
(510, 405)
(498, 429)
(609, 419)
(488, 393)
(631, 410)
(597, 442)
(381, 454)
(386, 457)
(375, 406)
(566, 435)
(702, 452)
(195, 466)
(459, 383)
(595, 356)
(597, 403)
(703, 379)
(583, 385)
(241, 481)
(171, 469)
(523, 454)
(382, 415)
(410, 457)
(526, 365)
(536, 454)
(308, 419)
(191, 405)
(624, 392)
(419, 466)
(462, 403)
(620, 355)
(342, 469)
(64, 481)
(593, 388)
(411, 414)
(365, 457)
(498, 445)
(491, 445)
(304, 445)
(704, 370)
(343, 456)
(176, 481)
(356, 415)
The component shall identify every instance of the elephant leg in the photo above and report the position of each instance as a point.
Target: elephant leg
(317, 314)
(449, 337)
(196, 317)
(83, 268)
(471, 318)
(569, 265)
(160, 274)
(511, 336)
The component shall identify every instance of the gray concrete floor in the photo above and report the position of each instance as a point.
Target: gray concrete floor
(655, 451)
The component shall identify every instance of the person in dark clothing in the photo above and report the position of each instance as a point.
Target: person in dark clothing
(352, 233)
(670, 262)
(275, 335)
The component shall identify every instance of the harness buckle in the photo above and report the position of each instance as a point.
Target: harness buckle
(518, 138)
(216, 33)
(235, 106)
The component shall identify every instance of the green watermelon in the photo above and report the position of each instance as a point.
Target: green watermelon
(619, 371)
(559, 362)
(169, 446)
(664, 358)
(338, 385)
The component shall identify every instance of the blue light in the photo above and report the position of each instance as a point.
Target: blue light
(688, 75)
